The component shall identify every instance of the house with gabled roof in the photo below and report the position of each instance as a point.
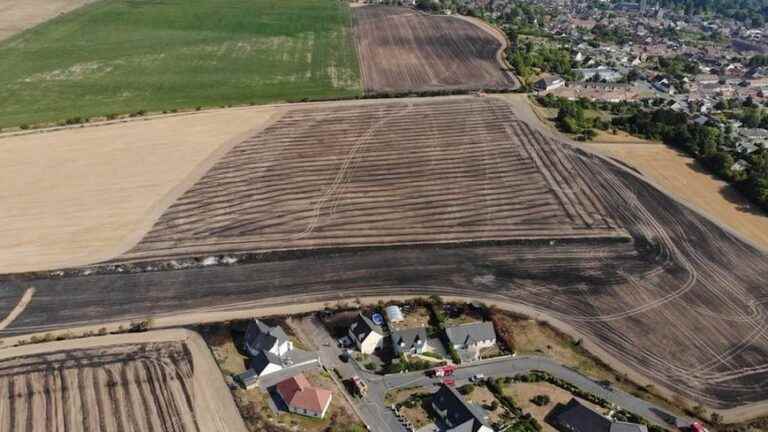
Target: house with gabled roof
(301, 398)
(456, 414)
(471, 337)
(576, 417)
(367, 336)
(410, 341)
(261, 337)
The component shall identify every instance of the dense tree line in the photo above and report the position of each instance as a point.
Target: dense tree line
(758, 60)
(527, 58)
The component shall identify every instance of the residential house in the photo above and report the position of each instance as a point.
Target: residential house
(301, 398)
(410, 341)
(265, 363)
(575, 417)
(471, 337)
(261, 337)
(549, 83)
(367, 336)
(456, 414)
(599, 74)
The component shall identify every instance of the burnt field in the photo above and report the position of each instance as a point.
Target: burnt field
(682, 301)
(145, 387)
(402, 50)
(383, 174)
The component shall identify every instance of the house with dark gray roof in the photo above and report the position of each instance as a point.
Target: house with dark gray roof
(456, 414)
(366, 335)
(576, 417)
(261, 337)
(265, 363)
(410, 341)
(472, 337)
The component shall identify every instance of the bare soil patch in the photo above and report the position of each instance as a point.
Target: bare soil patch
(84, 195)
(462, 169)
(19, 15)
(405, 50)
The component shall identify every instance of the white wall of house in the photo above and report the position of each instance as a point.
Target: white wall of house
(271, 368)
(281, 350)
(370, 343)
(419, 348)
(311, 413)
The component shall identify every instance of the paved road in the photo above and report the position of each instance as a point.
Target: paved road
(522, 365)
(371, 408)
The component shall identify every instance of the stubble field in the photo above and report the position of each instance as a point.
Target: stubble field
(334, 177)
(98, 189)
(681, 302)
(405, 50)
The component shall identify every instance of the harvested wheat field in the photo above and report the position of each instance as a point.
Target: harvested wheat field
(85, 195)
(403, 50)
(19, 15)
(152, 386)
(683, 177)
(677, 300)
(383, 174)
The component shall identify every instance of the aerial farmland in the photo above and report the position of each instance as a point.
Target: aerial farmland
(173, 205)
(333, 177)
(124, 385)
(427, 53)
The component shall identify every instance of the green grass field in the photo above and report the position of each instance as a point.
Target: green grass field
(122, 56)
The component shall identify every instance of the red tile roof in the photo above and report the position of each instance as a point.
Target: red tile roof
(297, 392)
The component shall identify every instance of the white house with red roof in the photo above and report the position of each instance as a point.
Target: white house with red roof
(301, 398)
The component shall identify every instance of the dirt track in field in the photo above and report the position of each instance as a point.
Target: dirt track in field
(332, 177)
(97, 190)
(19, 15)
(683, 303)
(126, 386)
(404, 50)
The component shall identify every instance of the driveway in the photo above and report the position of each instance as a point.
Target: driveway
(370, 408)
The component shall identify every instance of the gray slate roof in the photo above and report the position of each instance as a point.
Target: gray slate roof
(260, 336)
(466, 334)
(407, 338)
(459, 415)
(362, 326)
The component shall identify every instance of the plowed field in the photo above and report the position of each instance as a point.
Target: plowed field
(403, 50)
(409, 172)
(153, 387)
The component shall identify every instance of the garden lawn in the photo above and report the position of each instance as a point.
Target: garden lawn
(123, 56)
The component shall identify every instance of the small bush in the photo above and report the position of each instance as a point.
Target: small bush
(540, 400)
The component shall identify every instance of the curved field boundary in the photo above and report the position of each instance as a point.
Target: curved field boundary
(404, 50)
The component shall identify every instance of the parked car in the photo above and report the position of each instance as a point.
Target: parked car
(477, 378)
